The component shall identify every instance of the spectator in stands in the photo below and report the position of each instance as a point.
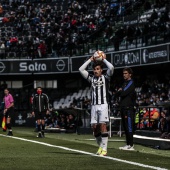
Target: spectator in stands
(162, 125)
(154, 118)
(44, 19)
(42, 50)
(139, 118)
(2, 50)
(75, 101)
(154, 16)
(63, 123)
(150, 118)
(57, 122)
(71, 122)
(129, 34)
(1, 10)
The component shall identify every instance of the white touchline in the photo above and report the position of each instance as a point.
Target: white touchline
(87, 153)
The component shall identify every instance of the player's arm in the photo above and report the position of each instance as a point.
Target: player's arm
(110, 67)
(82, 69)
(129, 89)
(47, 103)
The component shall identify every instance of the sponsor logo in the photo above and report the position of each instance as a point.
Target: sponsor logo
(20, 121)
(60, 65)
(24, 66)
(2, 67)
(153, 55)
(145, 56)
(128, 58)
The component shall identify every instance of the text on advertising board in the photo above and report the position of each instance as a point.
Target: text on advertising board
(32, 67)
(126, 58)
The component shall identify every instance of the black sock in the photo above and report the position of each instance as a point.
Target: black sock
(9, 126)
(131, 139)
(43, 127)
(39, 128)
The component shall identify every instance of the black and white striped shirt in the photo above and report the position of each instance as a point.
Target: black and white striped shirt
(99, 89)
(99, 85)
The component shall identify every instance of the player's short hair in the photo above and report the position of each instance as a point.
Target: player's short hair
(39, 87)
(129, 70)
(97, 63)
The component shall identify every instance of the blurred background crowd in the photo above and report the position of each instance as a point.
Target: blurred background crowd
(55, 28)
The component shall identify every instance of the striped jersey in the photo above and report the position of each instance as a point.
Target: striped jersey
(99, 89)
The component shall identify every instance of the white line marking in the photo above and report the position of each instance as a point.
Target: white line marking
(110, 140)
(86, 153)
(151, 138)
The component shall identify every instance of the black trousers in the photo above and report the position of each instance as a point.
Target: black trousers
(128, 118)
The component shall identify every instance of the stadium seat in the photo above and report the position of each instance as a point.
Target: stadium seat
(11, 55)
(55, 104)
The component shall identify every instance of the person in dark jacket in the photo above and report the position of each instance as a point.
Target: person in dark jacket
(127, 103)
(40, 107)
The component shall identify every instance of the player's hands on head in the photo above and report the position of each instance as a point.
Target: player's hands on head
(92, 58)
(104, 56)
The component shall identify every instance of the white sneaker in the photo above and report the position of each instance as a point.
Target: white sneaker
(124, 147)
(131, 148)
(128, 148)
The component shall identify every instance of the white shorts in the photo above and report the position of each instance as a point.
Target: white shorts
(99, 114)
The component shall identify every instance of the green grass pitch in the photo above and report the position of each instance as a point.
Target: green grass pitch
(23, 155)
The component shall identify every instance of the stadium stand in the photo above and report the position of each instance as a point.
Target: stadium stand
(70, 27)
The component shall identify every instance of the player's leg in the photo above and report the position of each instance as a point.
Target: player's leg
(130, 123)
(39, 127)
(104, 137)
(96, 127)
(43, 127)
(103, 120)
(97, 135)
(8, 122)
(9, 126)
(127, 122)
(125, 127)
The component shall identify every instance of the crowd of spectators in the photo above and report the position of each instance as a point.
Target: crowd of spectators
(41, 28)
(65, 121)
